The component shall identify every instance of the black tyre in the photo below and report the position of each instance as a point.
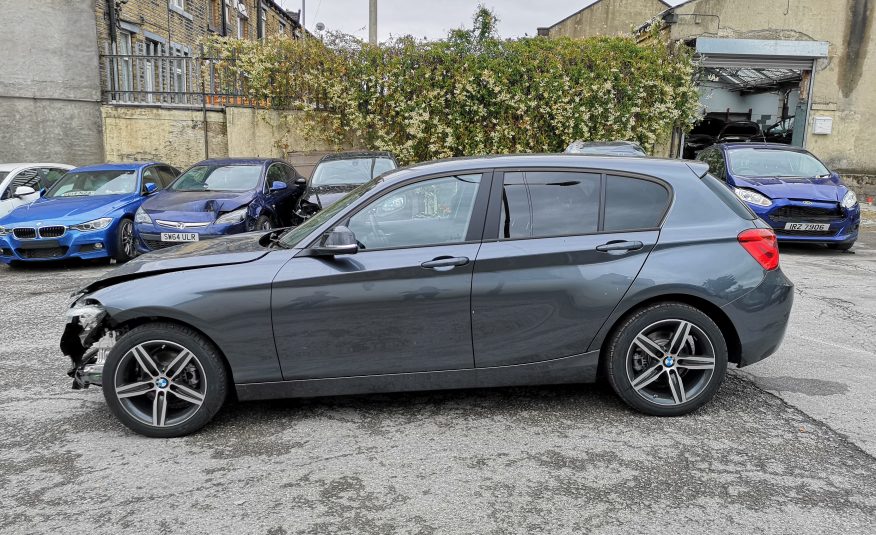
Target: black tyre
(841, 246)
(667, 359)
(164, 380)
(264, 223)
(125, 249)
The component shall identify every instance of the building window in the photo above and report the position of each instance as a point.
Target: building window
(263, 30)
(241, 27)
(179, 4)
(125, 74)
(282, 28)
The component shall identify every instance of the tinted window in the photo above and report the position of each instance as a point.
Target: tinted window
(633, 203)
(28, 177)
(731, 200)
(563, 203)
(516, 220)
(166, 175)
(431, 212)
(150, 174)
(276, 173)
(51, 175)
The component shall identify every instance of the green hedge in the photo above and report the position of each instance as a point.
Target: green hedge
(470, 93)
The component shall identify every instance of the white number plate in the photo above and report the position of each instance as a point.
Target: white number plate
(807, 226)
(179, 236)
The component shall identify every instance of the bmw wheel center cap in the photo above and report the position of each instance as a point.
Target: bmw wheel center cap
(161, 382)
(669, 361)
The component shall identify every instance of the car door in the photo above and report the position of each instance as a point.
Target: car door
(401, 304)
(561, 247)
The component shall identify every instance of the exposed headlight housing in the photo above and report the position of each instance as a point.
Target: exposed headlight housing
(235, 216)
(97, 224)
(752, 197)
(89, 315)
(142, 217)
(849, 199)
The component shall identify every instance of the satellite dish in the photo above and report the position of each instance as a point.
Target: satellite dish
(320, 26)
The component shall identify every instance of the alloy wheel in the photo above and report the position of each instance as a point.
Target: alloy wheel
(160, 383)
(128, 239)
(670, 362)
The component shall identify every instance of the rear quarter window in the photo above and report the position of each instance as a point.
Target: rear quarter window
(633, 203)
(728, 197)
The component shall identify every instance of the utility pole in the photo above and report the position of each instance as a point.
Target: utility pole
(372, 22)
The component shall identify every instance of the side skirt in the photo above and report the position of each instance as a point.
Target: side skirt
(574, 369)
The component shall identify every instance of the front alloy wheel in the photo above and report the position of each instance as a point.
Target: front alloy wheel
(164, 380)
(668, 359)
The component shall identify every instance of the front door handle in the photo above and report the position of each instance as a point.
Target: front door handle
(445, 263)
(620, 246)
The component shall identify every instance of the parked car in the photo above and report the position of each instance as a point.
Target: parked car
(21, 183)
(337, 174)
(738, 131)
(88, 214)
(790, 189)
(606, 148)
(703, 135)
(219, 197)
(780, 132)
(475, 272)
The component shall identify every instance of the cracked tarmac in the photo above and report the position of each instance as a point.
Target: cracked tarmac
(558, 459)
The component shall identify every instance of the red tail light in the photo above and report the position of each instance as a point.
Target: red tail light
(761, 244)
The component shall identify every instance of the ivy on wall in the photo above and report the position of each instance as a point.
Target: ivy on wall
(470, 93)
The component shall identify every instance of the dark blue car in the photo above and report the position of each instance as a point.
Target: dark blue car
(790, 189)
(219, 197)
(88, 214)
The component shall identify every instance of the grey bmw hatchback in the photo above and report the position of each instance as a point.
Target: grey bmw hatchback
(476, 272)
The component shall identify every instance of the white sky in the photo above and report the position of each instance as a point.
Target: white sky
(433, 18)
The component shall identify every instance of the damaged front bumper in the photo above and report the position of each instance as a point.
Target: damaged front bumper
(87, 341)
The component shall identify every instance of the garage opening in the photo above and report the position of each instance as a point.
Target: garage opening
(752, 91)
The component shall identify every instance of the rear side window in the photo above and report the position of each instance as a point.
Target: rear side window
(732, 201)
(633, 203)
(540, 204)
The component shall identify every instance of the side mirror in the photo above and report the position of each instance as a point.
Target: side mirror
(22, 191)
(339, 241)
(301, 182)
(278, 186)
(151, 188)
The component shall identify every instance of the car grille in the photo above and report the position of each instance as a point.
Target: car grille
(157, 244)
(24, 233)
(782, 232)
(805, 214)
(52, 232)
(51, 252)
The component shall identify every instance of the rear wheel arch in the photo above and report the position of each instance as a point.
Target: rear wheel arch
(728, 330)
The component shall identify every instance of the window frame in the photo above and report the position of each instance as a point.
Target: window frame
(492, 223)
(268, 181)
(474, 234)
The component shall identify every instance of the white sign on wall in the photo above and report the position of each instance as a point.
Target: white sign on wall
(822, 125)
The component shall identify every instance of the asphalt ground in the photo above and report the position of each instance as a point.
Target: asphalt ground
(787, 446)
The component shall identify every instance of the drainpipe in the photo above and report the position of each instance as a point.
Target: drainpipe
(113, 22)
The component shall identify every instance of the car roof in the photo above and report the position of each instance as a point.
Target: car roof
(239, 161)
(354, 154)
(628, 164)
(129, 166)
(761, 145)
(12, 166)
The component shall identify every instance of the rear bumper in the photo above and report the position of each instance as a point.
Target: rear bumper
(761, 317)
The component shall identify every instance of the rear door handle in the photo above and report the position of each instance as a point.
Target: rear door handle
(620, 246)
(445, 263)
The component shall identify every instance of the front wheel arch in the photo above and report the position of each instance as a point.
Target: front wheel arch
(731, 337)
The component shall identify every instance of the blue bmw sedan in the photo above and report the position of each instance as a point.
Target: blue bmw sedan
(88, 214)
(219, 197)
(790, 189)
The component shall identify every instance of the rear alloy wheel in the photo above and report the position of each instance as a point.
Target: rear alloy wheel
(668, 359)
(164, 380)
(125, 249)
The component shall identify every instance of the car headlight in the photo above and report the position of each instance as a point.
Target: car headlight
(96, 224)
(89, 316)
(235, 216)
(849, 199)
(752, 197)
(142, 217)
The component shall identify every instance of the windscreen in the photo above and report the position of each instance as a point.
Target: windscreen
(774, 163)
(219, 178)
(88, 183)
(354, 171)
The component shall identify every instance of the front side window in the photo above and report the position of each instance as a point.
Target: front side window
(773, 163)
(50, 175)
(633, 203)
(353, 171)
(431, 212)
(219, 178)
(276, 173)
(560, 203)
(89, 183)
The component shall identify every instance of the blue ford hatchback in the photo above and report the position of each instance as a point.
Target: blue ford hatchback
(790, 189)
(220, 197)
(88, 214)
